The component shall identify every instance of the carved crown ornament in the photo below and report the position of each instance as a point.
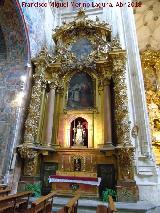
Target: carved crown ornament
(94, 36)
(81, 23)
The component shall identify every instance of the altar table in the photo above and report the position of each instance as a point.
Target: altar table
(87, 186)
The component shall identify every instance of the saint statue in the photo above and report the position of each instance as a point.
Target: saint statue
(79, 133)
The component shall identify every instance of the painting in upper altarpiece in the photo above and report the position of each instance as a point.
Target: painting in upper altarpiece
(81, 48)
(80, 92)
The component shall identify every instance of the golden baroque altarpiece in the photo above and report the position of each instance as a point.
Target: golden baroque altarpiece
(151, 72)
(82, 46)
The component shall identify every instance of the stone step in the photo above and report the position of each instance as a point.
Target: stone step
(90, 206)
(55, 209)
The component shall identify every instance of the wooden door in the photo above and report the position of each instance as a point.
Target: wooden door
(48, 169)
(107, 174)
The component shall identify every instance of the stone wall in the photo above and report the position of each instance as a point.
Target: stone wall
(24, 31)
(40, 21)
(12, 76)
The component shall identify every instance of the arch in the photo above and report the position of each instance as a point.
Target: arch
(16, 54)
(73, 131)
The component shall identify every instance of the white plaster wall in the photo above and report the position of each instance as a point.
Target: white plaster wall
(149, 193)
(49, 24)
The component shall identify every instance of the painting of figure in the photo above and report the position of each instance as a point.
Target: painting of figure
(81, 49)
(80, 92)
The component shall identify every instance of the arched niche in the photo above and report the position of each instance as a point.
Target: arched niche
(79, 132)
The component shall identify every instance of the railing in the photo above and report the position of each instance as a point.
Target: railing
(110, 209)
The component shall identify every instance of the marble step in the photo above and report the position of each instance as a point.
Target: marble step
(89, 206)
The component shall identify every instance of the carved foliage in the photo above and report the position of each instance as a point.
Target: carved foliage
(121, 99)
(30, 159)
(94, 32)
(40, 79)
(31, 124)
(151, 72)
(125, 160)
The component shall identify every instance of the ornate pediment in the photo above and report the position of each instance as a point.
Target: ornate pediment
(81, 24)
(80, 43)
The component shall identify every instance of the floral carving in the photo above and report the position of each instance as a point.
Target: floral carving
(31, 124)
(26, 152)
(29, 156)
(98, 34)
(121, 98)
(151, 72)
(125, 160)
(115, 44)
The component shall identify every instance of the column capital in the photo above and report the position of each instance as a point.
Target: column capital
(52, 86)
(56, 83)
(107, 82)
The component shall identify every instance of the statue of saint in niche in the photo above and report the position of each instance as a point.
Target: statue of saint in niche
(80, 92)
(79, 134)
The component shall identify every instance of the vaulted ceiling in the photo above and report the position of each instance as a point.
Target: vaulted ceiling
(147, 18)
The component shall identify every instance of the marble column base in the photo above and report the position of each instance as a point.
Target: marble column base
(106, 146)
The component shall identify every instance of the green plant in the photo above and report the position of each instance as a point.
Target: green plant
(106, 193)
(35, 188)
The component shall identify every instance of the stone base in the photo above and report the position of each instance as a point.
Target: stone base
(107, 146)
(127, 191)
(90, 205)
(149, 192)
